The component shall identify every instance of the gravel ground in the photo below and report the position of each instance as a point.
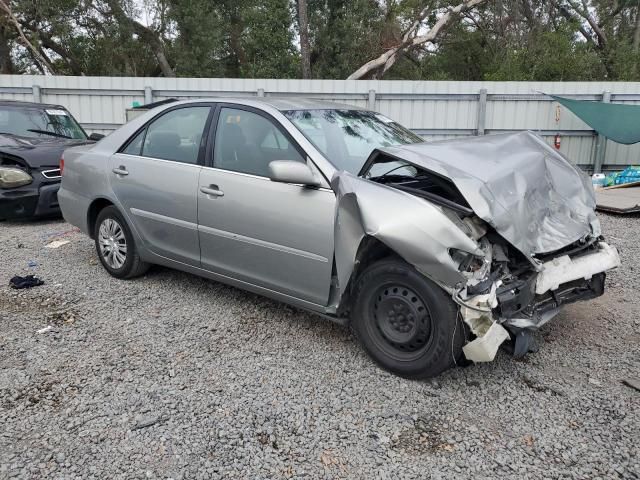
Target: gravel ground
(173, 376)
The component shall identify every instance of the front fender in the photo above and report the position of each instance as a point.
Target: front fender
(414, 228)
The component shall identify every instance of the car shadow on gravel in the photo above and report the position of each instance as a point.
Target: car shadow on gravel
(33, 222)
(265, 311)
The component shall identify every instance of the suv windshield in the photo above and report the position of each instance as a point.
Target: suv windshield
(39, 122)
(347, 137)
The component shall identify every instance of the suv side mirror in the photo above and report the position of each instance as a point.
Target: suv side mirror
(96, 136)
(290, 171)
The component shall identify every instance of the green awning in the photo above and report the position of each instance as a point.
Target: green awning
(620, 123)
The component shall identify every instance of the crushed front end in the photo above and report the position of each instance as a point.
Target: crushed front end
(508, 296)
(27, 191)
(535, 241)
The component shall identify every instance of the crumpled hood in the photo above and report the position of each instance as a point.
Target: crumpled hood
(517, 183)
(37, 151)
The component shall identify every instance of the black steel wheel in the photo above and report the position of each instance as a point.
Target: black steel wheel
(407, 323)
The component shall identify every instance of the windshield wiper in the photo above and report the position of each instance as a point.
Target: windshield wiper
(46, 132)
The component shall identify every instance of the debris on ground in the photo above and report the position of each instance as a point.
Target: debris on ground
(57, 243)
(29, 281)
(46, 329)
(632, 382)
(149, 422)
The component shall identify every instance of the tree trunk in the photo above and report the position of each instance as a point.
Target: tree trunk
(235, 42)
(148, 35)
(636, 33)
(73, 64)
(41, 62)
(305, 49)
(6, 64)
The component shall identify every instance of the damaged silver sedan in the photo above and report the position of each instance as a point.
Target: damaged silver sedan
(434, 253)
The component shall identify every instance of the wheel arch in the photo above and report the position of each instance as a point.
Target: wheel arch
(96, 206)
(370, 250)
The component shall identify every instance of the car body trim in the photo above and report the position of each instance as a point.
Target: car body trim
(162, 218)
(262, 243)
(51, 174)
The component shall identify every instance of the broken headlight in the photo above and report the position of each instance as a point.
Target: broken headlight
(467, 262)
(13, 177)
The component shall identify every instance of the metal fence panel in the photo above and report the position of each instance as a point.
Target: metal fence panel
(436, 110)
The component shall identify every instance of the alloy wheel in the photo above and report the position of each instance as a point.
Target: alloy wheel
(113, 243)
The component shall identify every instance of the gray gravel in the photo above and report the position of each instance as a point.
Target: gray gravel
(173, 376)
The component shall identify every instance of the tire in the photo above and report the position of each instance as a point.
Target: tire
(116, 237)
(405, 322)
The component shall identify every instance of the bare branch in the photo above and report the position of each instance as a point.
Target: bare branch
(37, 56)
(411, 39)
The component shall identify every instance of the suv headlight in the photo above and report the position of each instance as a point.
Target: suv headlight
(13, 177)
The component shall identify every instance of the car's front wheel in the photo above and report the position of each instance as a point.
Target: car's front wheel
(407, 323)
(115, 245)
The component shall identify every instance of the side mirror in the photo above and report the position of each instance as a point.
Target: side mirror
(96, 136)
(290, 171)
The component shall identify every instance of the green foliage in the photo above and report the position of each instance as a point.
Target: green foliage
(519, 40)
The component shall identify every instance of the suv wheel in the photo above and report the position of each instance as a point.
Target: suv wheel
(406, 323)
(115, 246)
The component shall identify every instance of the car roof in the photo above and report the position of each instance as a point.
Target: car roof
(280, 103)
(296, 103)
(19, 103)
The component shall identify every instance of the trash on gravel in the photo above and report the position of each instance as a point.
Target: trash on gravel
(29, 281)
(57, 243)
(62, 233)
(32, 263)
(148, 423)
(633, 383)
(46, 329)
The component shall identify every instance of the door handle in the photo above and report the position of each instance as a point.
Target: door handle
(121, 170)
(212, 190)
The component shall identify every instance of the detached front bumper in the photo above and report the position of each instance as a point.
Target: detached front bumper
(33, 200)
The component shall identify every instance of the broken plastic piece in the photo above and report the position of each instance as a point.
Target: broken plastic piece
(484, 349)
(57, 243)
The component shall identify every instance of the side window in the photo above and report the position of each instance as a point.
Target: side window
(246, 142)
(176, 135)
(135, 146)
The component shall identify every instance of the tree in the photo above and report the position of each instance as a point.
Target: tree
(305, 48)
(392, 39)
(412, 39)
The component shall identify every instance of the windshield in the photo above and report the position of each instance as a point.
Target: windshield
(347, 137)
(39, 122)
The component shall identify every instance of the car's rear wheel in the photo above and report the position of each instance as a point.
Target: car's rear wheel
(406, 323)
(115, 245)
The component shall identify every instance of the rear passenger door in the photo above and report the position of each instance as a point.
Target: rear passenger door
(155, 179)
